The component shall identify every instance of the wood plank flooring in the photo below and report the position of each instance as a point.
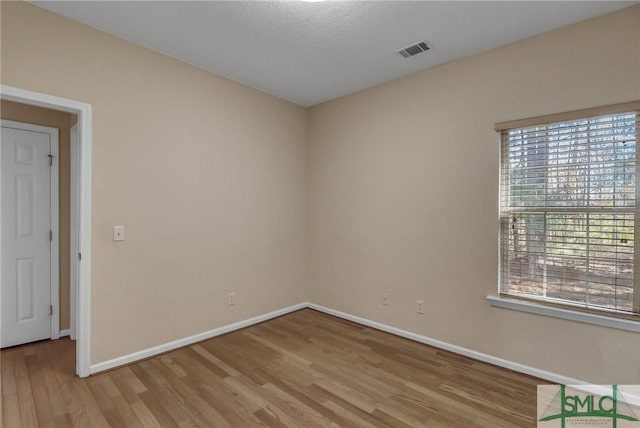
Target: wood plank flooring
(305, 369)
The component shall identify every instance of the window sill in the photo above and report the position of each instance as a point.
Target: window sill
(567, 314)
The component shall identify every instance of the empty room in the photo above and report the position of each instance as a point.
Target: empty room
(319, 214)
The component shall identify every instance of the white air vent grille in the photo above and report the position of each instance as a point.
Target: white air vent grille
(414, 50)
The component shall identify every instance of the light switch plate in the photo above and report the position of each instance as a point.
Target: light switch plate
(118, 233)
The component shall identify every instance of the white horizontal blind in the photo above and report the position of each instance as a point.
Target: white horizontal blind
(568, 196)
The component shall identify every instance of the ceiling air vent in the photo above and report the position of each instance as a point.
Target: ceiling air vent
(414, 50)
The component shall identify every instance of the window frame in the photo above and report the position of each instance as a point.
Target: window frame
(528, 302)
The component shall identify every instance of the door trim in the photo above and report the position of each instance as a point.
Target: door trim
(73, 226)
(83, 111)
(54, 222)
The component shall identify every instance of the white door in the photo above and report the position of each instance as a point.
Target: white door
(26, 263)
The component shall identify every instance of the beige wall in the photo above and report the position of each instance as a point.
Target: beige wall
(404, 185)
(208, 176)
(63, 122)
(392, 189)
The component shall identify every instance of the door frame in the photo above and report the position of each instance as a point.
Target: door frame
(54, 224)
(74, 244)
(83, 300)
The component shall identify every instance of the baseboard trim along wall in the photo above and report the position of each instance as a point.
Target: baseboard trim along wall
(542, 374)
(64, 333)
(149, 352)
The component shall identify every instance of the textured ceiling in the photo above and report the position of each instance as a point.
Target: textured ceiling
(309, 53)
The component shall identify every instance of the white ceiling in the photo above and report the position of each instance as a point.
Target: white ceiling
(309, 53)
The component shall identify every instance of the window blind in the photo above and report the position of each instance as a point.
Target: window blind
(568, 193)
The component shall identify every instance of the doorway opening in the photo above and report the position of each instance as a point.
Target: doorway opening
(45, 282)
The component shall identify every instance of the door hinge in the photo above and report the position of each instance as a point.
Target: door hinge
(50, 310)
(51, 160)
(79, 256)
(51, 235)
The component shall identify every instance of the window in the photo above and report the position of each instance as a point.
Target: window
(569, 209)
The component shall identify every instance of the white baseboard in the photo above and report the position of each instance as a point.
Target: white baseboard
(542, 374)
(64, 333)
(149, 352)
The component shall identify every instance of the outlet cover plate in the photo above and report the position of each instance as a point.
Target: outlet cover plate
(385, 299)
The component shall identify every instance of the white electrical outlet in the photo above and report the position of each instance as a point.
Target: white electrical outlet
(118, 233)
(231, 299)
(420, 306)
(385, 299)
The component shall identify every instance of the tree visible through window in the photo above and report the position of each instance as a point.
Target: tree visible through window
(568, 209)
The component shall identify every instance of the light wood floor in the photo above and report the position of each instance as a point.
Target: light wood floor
(305, 369)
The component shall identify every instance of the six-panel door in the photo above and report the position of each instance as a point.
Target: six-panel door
(26, 247)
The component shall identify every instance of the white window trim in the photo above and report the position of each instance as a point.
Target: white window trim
(562, 313)
(541, 308)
